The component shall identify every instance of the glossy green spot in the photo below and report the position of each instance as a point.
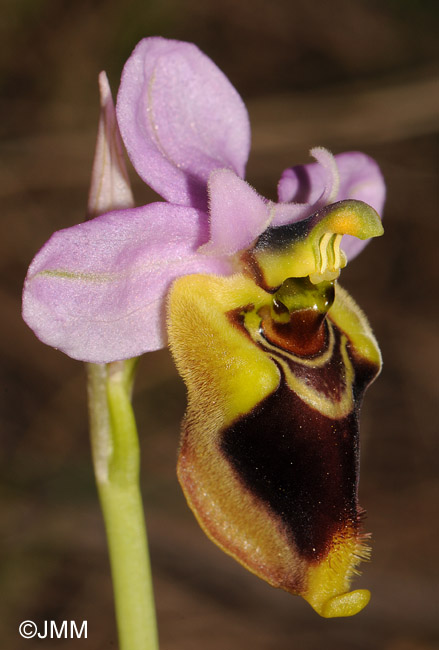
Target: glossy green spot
(299, 294)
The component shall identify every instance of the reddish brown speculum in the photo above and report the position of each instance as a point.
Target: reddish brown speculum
(304, 334)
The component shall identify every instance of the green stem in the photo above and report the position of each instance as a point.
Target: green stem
(116, 459)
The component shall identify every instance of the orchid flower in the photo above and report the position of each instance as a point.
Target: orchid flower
(275, 354)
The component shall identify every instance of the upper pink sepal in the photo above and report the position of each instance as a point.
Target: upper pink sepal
(238, 214)
(97, 290)
(180, 119)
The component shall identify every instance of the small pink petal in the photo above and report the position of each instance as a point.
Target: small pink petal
(180, 119)
(238, 215)
(310, 187)
(304, 187)
(332, 178)
(361, 179)
(97, 290)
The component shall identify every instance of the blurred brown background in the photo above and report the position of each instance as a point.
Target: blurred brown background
(345, 74)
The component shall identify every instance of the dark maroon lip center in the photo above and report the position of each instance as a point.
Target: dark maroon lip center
(300, 464)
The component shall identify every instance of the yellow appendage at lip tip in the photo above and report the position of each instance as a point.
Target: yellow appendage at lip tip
(347, 604)
(328, 582)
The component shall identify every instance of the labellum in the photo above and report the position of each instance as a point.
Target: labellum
(276, 359)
